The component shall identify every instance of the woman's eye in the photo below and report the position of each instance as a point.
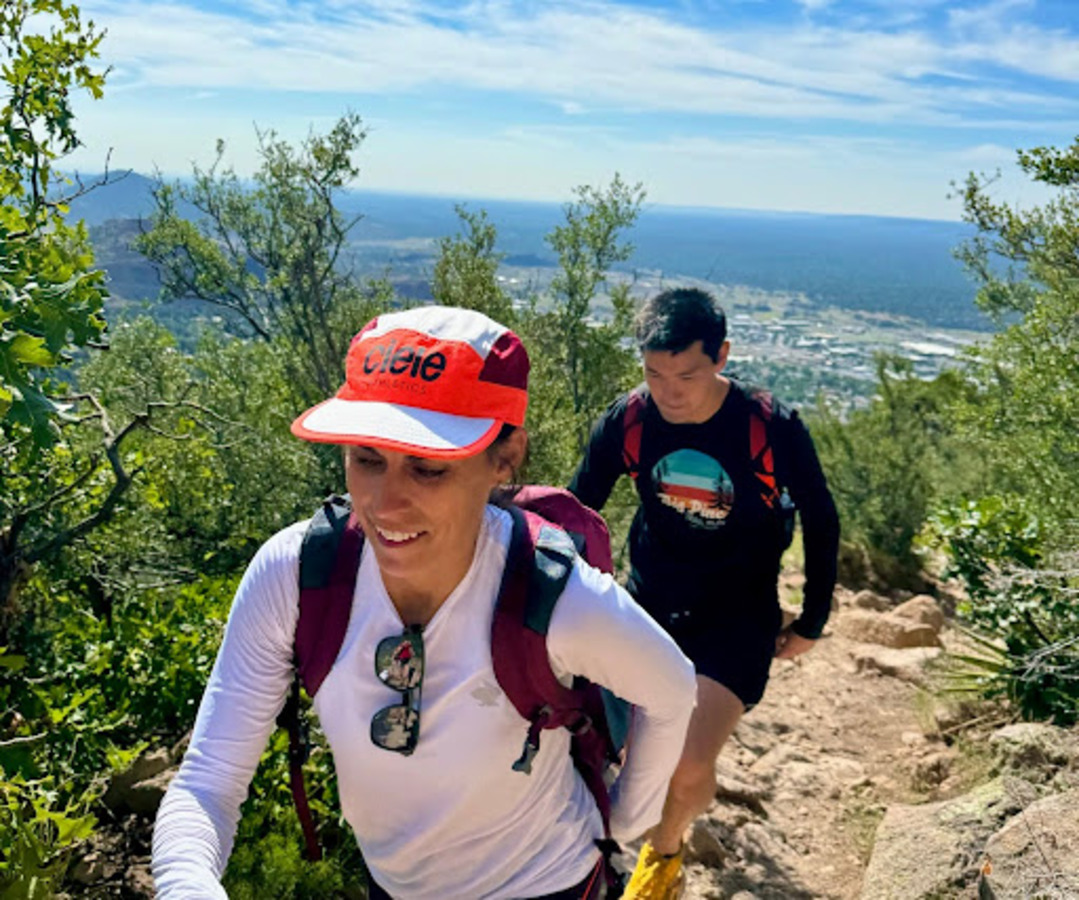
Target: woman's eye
(425, 474)
(367, 462)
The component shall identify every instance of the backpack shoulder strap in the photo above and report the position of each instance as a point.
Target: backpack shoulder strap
(632, 428)
(538, 564)
(329, 561)
(761, 412)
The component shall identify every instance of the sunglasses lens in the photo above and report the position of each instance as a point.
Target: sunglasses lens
(399, 666)
(399, 661)
(396, 728)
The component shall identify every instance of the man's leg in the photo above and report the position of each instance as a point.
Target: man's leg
(693, 785)
(658, 874)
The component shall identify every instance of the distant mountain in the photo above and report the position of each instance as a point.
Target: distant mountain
(898, 266)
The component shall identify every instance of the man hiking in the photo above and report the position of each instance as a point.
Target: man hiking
(719, 468)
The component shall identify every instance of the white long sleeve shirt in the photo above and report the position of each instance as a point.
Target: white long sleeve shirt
(453, 820)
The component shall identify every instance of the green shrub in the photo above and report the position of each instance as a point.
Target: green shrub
(1022, 606)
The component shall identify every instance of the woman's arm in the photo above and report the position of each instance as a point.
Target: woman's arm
(600, 632)
(196, 822)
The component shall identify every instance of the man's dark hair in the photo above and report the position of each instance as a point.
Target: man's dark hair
(674, 319)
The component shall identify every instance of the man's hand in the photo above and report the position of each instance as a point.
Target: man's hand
(789, 644)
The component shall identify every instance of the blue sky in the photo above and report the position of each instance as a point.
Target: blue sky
(848, 106)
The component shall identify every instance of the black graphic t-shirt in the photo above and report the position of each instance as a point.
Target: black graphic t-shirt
(703, 529)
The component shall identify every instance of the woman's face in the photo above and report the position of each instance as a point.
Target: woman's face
(422, 516)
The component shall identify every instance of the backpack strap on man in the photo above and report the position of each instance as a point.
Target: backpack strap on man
(632, 429)
(762, 407)
(329, 562)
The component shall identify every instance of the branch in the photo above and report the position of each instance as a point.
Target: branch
(85, 189)
(21, 741)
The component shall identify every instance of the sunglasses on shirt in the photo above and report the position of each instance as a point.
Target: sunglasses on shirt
(399, 666)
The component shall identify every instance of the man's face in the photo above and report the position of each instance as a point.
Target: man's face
(684, 385)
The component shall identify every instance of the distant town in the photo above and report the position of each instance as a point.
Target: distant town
(803, 352)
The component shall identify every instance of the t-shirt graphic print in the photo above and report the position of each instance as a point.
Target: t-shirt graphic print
(695, 485)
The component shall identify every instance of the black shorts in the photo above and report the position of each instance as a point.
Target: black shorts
(734, 649)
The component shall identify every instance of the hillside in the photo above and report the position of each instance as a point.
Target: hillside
(890, 266)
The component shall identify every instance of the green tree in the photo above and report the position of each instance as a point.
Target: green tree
(1013, 543)
(889, 464)
(50, 296)
(1026, 262)
(273, 256)
(580, 339)
(466, 271)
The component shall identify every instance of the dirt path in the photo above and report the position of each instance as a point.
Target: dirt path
(807, 776)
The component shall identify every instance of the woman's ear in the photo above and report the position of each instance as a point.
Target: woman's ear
(510, 454)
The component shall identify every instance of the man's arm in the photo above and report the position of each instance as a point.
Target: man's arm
(820, 535)
(598, 471)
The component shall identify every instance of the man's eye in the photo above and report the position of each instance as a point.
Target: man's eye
(367, 462)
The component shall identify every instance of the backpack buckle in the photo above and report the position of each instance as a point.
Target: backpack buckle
(532, 741)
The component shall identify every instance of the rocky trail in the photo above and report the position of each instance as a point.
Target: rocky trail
(850, 780)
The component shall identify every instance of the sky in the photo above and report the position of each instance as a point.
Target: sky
(835, 106)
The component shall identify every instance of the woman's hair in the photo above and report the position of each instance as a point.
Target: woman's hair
(674, 319)
(502, 496)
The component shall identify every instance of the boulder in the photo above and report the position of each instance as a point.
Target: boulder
(1036, 854)
(885, 629)
(1034, 745)
(929, 851)
(921, 608)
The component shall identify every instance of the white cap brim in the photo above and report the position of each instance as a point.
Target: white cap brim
(408, 429)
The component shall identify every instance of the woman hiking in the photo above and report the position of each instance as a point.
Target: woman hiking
(431, 421)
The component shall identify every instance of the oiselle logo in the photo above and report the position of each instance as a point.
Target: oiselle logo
(404, 360)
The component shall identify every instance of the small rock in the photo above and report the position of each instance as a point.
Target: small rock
(869, 600)
(885, 629)
(705, 847)
(1032, 745)
(907, 664)
(139, 881)
(923, 609)
(146, 766)
(145, 797)
(93, 868)
(932, 771)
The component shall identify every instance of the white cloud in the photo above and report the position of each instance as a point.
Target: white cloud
(598, 55)
(664, 98)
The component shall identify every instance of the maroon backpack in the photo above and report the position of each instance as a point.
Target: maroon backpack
(550, 528)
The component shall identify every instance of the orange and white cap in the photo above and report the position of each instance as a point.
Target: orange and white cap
(435, 381)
